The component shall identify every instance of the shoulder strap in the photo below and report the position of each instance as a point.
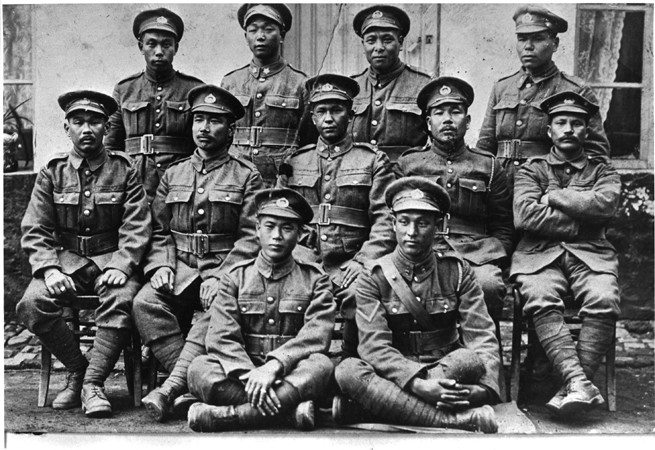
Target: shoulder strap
(406, 295)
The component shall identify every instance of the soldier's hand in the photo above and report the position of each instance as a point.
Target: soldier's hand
(259, 387)
(544, 199)
(477, 396)
(163, 280)
(352, 270)
(57, 282)
(444, 393)
(112, 277)
(208, 292)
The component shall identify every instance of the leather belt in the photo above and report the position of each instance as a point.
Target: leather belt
(202, 244)
(457, 225)
(263, 344)
(149, 144)
(518, 149)
(327, 214)
(89, 245)
(420, 342)
(265, 136)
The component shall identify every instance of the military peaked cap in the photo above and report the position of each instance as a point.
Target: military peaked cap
(285, 203)
(160, 19)
(381, 16)
(535, 18)
(276, 12)
(417, 194)
(331, 86)
(93, 101)
(215, 100)
(568, 102)
(444, 90)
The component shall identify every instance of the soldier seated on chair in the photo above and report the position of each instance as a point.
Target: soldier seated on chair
(270, 328)
(562, 203)
(417, 366)
(85, 231)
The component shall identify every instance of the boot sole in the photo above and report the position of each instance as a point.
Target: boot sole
(181, 407)
(571, 408)
(304, 416)
(155, 411)
(64, 406)
(97, 413)
(337, 410)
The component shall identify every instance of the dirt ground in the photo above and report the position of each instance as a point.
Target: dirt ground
(635, 414)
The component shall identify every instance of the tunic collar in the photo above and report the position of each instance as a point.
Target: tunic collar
(334, 150)
(94, 161)
(379, 80)
(549, 71)
(554, 158)
(266, 71)
(210, 163)
(159, 78)
(274, 271)
(454, 153)
(411, 270)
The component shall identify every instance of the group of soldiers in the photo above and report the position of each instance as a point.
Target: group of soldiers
(275, 202)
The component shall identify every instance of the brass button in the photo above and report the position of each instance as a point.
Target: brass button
(327, 196)
(299, 308)
(157, 124)
(567, 170)
(418, 299)
(258, 113)
(450, 170)
(449, 162)
(394, 310)
(415, 278)
(113, 199)
(180, 108)
(337, 149)
(255, 152)
(449, 185)
(519, 122)
(439, 255)
(201, 211)
(324, 237)
(87, 172)
(204, 171)
(374, 122)
(157, 110)
(259, 95)
(244, 308)
(158, 165)
(87, 212)
(262, 79)
(159, 97)
(378, 103)
(374, 142)
(159, 88)
(271, 321)
(227, 197)
(516, 163)
(445, 306)
(529, 85)
(475, 188)
(201, 190)
(270, 299)
(284, 104)
(328, 177)
(87, 193)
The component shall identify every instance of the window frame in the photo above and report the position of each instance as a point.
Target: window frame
(646, 86)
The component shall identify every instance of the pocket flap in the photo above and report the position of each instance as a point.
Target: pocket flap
(360, 107)
(302, 179)
(66, 198)
(178, 197)
(252, 306)
(506, 104)
(135, 106)
(293, 306)
(178, 106)
(411, 108)
(226, 196)
(472, 185)
(355, 179)
(110, 198)
(280, 101)
(244, 99)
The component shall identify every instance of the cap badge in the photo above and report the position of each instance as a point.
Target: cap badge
(162, 19)
(569, 101)
(417, 194)
(377, 14)
(445, 90)
(282, 202)
(210, 99)
(327, 87)
(527, 17)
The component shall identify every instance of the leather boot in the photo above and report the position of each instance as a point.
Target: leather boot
(555, 403)
(303, 416)
(107, 347)
(159, 403)
(596, 336)
(182, 404)
(94, 401)
(581, 395)
(346, 411)
(206, 418)
(69, 397)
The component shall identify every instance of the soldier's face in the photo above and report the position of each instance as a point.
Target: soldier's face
(331, 120)
(212, 132)
(536, 49)
(158, 49)
(448, 122)
(277, 236)
(86, 130)
(568, 132)
(264, 38)
(415, 232)
(382, 48)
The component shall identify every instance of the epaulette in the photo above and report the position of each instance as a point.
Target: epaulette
(415, 150)
(482, 152)
(598, 159)
(242, 263)
(509, 76)
(131, 77)
(579, 82)
(190, 77)
(448, 253)
(313, 264)
(535, 158)
(244, 162)
(57, 157)
(367, 146)
(303, 149)
(122, 155)
(296, 70)
(359, 74)
(175, 163)
(236, 70)
(417, 70)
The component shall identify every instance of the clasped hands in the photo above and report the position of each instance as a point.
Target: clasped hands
(259, 384)
(447, 394)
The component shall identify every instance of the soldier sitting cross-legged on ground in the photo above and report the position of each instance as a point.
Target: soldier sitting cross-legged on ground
(85, 231)
(269, 330)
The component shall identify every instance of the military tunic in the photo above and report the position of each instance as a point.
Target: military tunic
(152, 123)
(275, 101)
(386, 114)
(86, 215)
(204, 222)
(445, 285)
(564, 242)
(283, 311)
(514, 127)
(480, 224)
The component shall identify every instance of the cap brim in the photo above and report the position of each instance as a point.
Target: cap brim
(322, 96)
(159, 27)
(87, 108)
(275, 211)
(572, 109)
(414, 205)
(379, 24)
(525, 29)
(211, 109)
(443, 100)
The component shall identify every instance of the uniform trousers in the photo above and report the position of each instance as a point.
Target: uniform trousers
(491, 281)
(40, 311)
(207, 380)
(345, 297)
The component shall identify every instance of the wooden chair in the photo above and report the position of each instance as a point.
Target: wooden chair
(574, 323)
(84, 331)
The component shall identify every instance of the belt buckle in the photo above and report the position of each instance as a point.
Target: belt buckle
(268, 344)
(415, 342)
(146, 144)
(516, 148)
(254, 136)
(82, 245)
(323, 216)
(445, 229)
(200, 245)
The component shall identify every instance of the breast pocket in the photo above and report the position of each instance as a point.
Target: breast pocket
(405, 121)
(359, 124)
(354, 188)
(67, 208)
(505, 111)
(305, 184)
(177, 117)
(252, 312)
(292, 313)
(471, 197)
(226, 203)
(179, 205)
(110, 208)
(284, 111)
(136, 118)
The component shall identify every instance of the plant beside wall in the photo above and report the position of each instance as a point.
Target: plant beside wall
(17, 138)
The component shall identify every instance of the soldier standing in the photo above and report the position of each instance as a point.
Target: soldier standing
(480, 220)
(344, 181)
(269, 331)
(85, 230)
(271, 91)
(203, 222)
(429, 356)
(514, 127)
(562, 205)
(386, 115)
(152, 122)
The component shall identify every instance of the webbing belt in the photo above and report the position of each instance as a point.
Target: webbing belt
(326, 214)
(202, 244)
(89, 245)
(518, 149)
(149, 144)
(262, 344)
(264, 136)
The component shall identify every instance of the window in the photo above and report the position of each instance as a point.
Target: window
(614, 55)
(18, 92)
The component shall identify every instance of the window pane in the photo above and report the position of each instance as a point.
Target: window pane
(632, 43)
(623, 122)
(17, 40)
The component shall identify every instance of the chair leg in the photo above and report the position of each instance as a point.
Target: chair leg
(610, 376)
(44, 383)
(515, 368)
(136, 362)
